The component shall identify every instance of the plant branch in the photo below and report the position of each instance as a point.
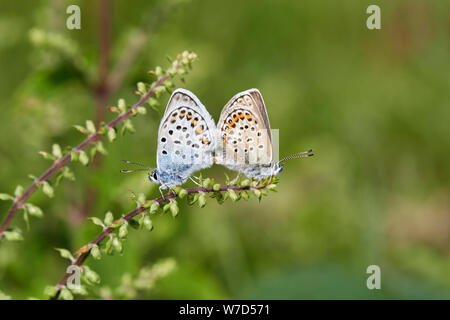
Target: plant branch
(19, 201)
(86, 249)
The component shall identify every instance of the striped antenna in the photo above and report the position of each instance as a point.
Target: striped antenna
(303, 154)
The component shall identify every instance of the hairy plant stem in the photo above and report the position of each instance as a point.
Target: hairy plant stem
(86, 249)
(60, 163)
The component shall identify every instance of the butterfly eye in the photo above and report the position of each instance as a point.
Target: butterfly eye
(154, 176)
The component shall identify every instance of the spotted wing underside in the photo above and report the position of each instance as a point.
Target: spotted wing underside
(186, 137)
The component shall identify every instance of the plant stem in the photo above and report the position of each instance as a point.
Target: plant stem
(85, 250)
(60, 163)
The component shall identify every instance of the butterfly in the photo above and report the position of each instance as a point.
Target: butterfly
(186, 141)
(245, 139)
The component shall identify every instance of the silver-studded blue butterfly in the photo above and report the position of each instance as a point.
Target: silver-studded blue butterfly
(245, 139)
(186, 141)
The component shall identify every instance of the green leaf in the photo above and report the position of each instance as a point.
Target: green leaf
(5, 196)
(13, 236)
(174, 208)
(93, 152)
(64, 253)
(166, 207)
(90, 126)
(80, 128)
(245, 195)
(66, 294)
(182, 193)
(202, 199)
(122, 105)
(95, 252)
(74, 156)
(193, 198)
(112, 134)
(91, 275)
(34, 210)
(147, 222)
(101, 148)
(56, 151)
(19, 191)
(81, 290)
(123, 231)
(257, 193)
(245, 183)
(68, 174)
(108, 246)
(84, 159)
(48, 189)
(50, 291)
(26, 218)
(141, 110)
(154, 207)
(117, 244)
(109, 218)
(233, 195)
(96, 221)
(216, 187)
(206, 182)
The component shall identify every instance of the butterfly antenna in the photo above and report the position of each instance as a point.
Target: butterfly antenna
(138, 164)
(128, 171)
(303, 154)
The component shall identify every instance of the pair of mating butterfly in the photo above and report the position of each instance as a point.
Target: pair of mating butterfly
(188, 138)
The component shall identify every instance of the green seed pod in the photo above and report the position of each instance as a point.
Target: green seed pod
(202, 200)
(148, 224)
(109, 218)
(154, 207)
(245, 183)
(206, 182)
(174, 208)
(117, 244)
(50, 291)
(91, 275)
(216, 187)
(233, 196)
(123, 231)
(182, 193)
(109, 247)
(66, 294)
(95, 252)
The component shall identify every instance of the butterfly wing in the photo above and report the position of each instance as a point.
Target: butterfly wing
(186, 136)
(244, 137)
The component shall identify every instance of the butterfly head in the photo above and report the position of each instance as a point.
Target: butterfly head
(153, 176)
(277, 167)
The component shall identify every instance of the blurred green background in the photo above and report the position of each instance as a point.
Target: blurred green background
(373, 104)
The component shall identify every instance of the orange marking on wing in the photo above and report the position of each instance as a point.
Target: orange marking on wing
(194, 122)
(198, 130)
(189, 116)
(249, 117)
(241, 116)
(204, 141)
(235, 119)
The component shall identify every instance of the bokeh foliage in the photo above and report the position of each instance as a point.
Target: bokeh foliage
(374, 105)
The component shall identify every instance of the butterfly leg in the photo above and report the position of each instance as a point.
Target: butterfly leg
(190, 178)
(235, 180)
(174, 193)
(160, 191)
